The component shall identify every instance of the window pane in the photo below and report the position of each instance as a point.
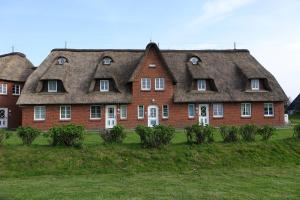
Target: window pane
(165, 111)
(95, 112)
(123, 112)
(191, 110)
(140, 111)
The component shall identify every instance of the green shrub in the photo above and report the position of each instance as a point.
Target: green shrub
(199, 134)
(248, 132)
(229, 133)
(114, 135)
(3, 135)
(28, 134)
(66, 135)
(266, 132)
(155, 137)
(297, 130)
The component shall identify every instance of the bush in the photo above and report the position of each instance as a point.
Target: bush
(229, 133)
(67, 135)
(114, 135)
(248, 132)
(297, 130)
(3, 135)
(155, 137)
(199, 134)
(28, 134)
(266, 132)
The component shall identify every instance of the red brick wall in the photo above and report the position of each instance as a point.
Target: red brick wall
(9, 101)
(178, 113)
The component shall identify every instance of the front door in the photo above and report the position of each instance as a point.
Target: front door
(203, 114)
(110, 116)
(3, 117)
(152, 116)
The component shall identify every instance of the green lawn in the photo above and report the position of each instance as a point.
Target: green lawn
(258, 170)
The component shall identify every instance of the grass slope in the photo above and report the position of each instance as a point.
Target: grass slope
(258, 170)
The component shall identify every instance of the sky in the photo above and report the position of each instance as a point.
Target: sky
(270, 29)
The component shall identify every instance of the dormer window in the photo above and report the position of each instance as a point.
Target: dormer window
(107, 61)
(255, 84)
(61, 60)
(52, 86)
(194, 60)
(152, 65)
(201, 85)
(104, 85)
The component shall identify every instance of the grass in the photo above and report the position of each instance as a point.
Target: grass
(257, 170)
(295, 119)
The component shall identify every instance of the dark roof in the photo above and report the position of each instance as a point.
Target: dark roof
(229, 69)
(295, 105)
(15, 67)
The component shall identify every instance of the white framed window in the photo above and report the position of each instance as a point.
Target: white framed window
(145, 84)
(218, 110)
(165, 111)
(107, 61)
(255, 84)
(104, 85)
(201, 85)
(191, 110)
(61, 60)
(194, 60)
(159, 83)
(39, 113)
(52, 86)
(95, 112)
(123, 111)
(246, 109)
(268, 109)
(140, 112)
(152, 65)
(65, 113)
(3, 88)
(16, 90)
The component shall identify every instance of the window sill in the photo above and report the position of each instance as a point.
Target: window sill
(140, 118)
(3, 94)
(218, 117)
(95, 119)
(157, 90)
(16, 94)
(64, 120)
(38, 120)
(165, 118)
(145, 90)
(191, 118)
(124, 119)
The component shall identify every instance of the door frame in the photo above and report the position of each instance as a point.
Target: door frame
(157, 114)
(207, 113)
(106, 114)
(5, 117)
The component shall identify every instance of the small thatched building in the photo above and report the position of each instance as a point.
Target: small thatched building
(101, 88)
(14, 70)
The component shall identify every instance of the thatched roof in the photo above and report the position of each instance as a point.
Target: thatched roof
(229, 69)
(15, 67)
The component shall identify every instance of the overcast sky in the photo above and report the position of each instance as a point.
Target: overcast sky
(270, 29)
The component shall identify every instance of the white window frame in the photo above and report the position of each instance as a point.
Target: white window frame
(191, 116)
(255, 84)
(52, 81)
(201, 85)
(91, 116)
(244, 107)
(3, 88)
(138, 111)
(39, 116)
(163, 111)
(194, 60)
(218, 110)
(123, 110)
(159, 84)
(151, 65)
(107, 61)
(104, 83)
(16, 90)
(60, 113)
(269, 105)
(61, 60)
(145, 82)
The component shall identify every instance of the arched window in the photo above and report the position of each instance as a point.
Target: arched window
(107, 60)
(61, 60)
(194, 60)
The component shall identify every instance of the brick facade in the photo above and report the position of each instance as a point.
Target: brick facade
(178, 113)
(9, 101)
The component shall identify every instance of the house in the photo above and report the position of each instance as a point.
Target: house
(102, 88)
(14, 70)
(294, 107)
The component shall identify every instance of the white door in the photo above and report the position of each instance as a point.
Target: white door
(3, 117)
(152, 116)
(203, 114)
(110, 116)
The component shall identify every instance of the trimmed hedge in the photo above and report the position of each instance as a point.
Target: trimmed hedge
(115, 135)
(229, 133)
(28, 134)
(199, 134)
(248, 132)
(155, 137)
(66, 135)
(266, 132)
